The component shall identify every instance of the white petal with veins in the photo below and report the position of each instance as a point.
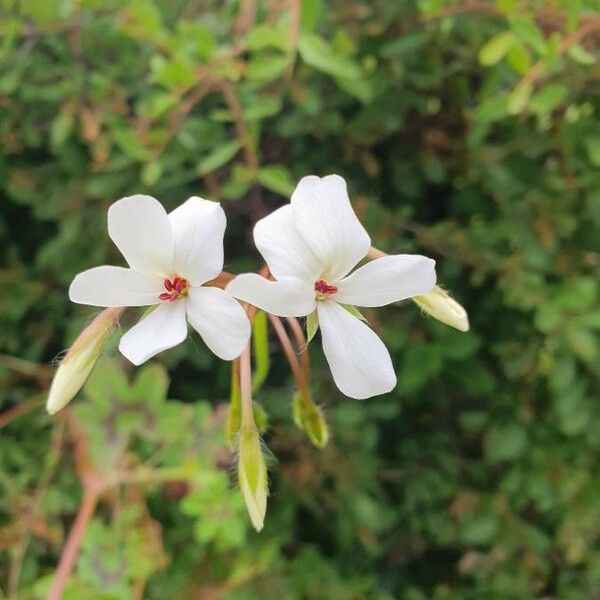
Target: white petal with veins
(198, 229)
(164, 327)
(386, 280)
(220, 320)
(140, 228)
(359, 361)
(326, 221)
(115, 286)
(286, 297)
(283, 248)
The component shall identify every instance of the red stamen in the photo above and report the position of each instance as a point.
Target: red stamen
(175, 288)
(322, 287)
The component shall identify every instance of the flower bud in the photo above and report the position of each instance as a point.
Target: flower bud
(252, 475)
(441, 306)
(309, 418)
(81, 358)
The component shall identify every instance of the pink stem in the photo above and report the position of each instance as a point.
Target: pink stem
(69, 553)
(246, 387)
(286, 344)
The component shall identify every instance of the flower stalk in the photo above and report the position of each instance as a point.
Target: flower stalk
(252, 468)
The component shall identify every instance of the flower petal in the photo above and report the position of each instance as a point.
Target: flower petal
(283, 248)
(220, 320)
(139, 227)
(286, 297)
(325, 219)
(198, 229)
(387, 279)
(360, 363)
(159, 330)
(115, 286)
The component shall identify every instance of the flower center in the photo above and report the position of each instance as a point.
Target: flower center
(177, 287)
(324, 290)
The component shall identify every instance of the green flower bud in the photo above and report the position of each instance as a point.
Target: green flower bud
(309, 418)
(441, 306)
(81, 358)
(252, 475)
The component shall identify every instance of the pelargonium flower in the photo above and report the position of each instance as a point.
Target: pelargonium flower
(170, 257)
(311, 247)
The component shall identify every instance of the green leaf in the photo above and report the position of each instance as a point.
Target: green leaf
(277, 178)
(505, 443)
(264, 106)
(312, 325)
(310, 11)
(519, 58)
(480, 529)
(260, 343)
(592, 145)
(527, 31)
(361, 89)
(62, 127)
(354, 312)
(495, 49)
(317, 53)
(264, 68)
(130, 144)
(221, 155)
(581, 55)
(548, 98)
(151, 173)
(143, 18)
(175, 73)
(518, 99)
(264, 36)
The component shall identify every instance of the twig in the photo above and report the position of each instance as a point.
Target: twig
(25, 367)
(21, 409)
(567, 42)
(69, 553)
(240, 123)
(465, 7)
(245, 17)
(293, 35)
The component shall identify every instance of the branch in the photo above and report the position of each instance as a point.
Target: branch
(21, 409)
(589, 27)
(69, 553)
(240, 123)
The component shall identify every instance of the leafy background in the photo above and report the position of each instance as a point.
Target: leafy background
(467, 131)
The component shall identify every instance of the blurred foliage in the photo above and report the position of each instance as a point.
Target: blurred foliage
(467, 131)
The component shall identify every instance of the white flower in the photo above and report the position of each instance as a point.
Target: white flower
(170, 257)
(310, 246)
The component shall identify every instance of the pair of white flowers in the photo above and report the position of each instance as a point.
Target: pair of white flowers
(311, 247)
